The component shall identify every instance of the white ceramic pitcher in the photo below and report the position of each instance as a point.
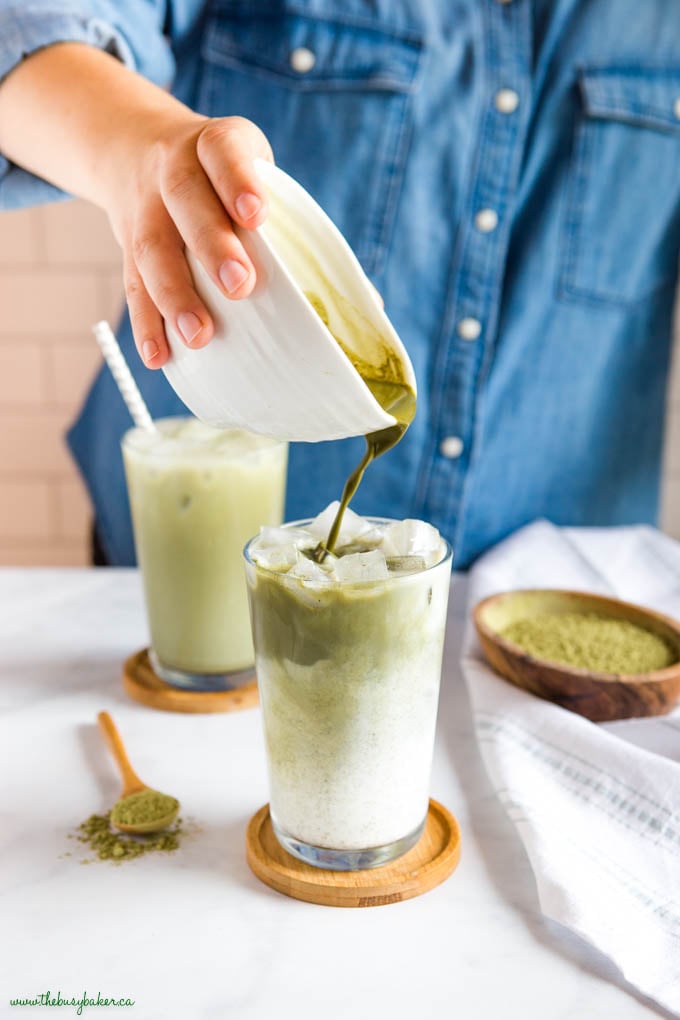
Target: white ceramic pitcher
(273, 366)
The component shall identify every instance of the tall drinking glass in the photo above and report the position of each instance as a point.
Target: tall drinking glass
(348, 673)
(196, 495)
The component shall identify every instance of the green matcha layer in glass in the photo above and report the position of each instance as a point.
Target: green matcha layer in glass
(197, 494)
(348, 656)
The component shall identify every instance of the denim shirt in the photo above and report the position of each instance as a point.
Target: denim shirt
(508, 173)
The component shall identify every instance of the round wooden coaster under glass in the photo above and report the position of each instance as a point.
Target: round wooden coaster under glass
(144, 685)
(426, 865)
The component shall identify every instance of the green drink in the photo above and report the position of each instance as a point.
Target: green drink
(348, 659)
(197, 494)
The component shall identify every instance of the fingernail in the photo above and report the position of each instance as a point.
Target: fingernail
(149, 351)
(247, 205)
(189, 326)
(232, 275)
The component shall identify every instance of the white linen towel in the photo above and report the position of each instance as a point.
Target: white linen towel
(596, 806)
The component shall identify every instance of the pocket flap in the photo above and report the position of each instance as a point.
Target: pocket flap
(649, 97)
(335, 54)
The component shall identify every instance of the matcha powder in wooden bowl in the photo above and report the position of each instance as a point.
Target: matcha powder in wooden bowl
(589, 641)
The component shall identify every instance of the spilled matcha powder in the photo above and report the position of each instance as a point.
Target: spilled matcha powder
(601, 644)
(107, 845)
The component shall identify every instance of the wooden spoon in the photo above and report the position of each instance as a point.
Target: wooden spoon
(132, 784)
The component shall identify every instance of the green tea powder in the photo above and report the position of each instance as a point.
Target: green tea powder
(143, 807)
(600, 644)
(107, 845)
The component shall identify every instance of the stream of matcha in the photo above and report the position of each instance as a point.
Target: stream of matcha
(391, 390)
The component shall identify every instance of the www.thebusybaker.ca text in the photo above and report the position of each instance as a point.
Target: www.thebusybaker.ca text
(48, 999)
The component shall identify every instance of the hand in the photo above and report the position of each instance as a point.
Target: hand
(183, 184)
(167, 177)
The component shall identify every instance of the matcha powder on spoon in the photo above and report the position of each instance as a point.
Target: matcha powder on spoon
(589, 641)
(142, 808)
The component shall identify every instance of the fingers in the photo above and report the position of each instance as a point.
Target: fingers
(158, 285)
(146, 321)
(226, 150)
(206, 229)
(206, 183)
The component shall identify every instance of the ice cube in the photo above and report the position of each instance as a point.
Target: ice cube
(405, 564)
(277, 548)
(321, 524)
(363, 566)
(413, 538)
(309, 570)
(275, 558)
(372, 537)
(353, 526)
(369, 539)
(271, 536)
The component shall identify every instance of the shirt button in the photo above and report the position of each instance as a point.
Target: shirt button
(506, 100)
(451, 447)
(469, 329)
(676, 108)
(302, 60)
(486, 220)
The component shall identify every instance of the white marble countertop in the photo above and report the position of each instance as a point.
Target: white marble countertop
(194, 934)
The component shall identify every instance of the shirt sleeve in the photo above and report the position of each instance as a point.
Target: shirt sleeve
(131, 30)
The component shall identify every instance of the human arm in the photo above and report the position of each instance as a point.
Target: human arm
(165, 176)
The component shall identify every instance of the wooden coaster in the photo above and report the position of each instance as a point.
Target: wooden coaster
(426, 865)
(145, 686)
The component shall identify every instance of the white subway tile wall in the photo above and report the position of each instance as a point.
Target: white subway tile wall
(60, 271)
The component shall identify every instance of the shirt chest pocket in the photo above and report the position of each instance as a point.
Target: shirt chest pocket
(621, 225)
(334, 99)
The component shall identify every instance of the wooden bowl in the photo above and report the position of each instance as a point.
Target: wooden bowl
(599, 697)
